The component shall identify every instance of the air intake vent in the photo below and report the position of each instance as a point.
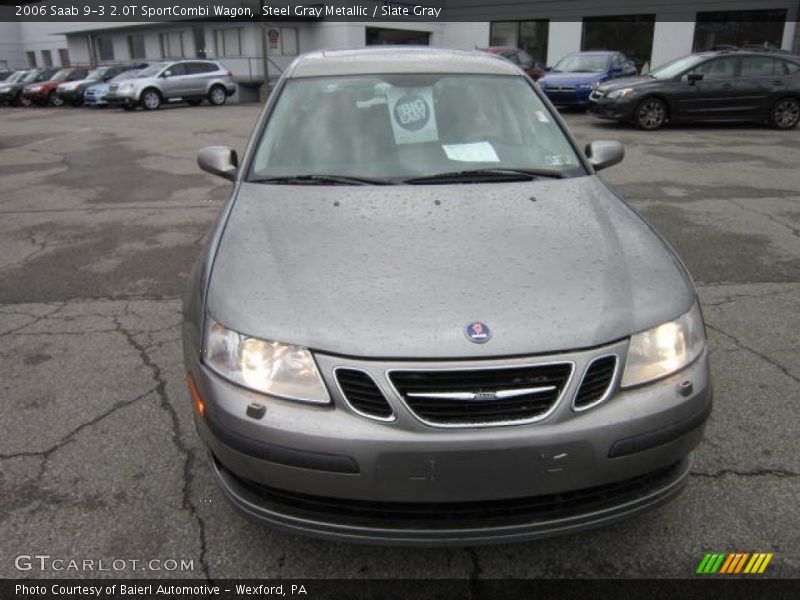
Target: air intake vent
(362, 394)
(596, 382)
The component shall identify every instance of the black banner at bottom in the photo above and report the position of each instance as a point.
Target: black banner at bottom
(390, 589)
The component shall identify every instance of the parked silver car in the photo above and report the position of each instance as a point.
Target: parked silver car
(189, 81)
(422, 318)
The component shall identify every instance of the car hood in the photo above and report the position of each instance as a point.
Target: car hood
(570, 78)
(616, 84)
(400, 271)
(78, 82)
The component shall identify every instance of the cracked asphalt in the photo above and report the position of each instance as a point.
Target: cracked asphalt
(102, 214)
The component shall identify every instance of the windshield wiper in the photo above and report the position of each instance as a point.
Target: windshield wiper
(322, 180)
(477, 175)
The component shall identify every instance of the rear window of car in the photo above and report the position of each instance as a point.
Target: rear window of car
(193, 68)
(760, 66)
(791, 67)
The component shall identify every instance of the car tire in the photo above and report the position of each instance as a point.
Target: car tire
(55, 100)
(651, 114)
(217, 95)
(150, 99)
(785, 114)
(23, 101)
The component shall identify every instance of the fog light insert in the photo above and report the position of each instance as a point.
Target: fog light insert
(199, 405)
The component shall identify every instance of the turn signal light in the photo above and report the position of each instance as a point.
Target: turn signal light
(199, 405)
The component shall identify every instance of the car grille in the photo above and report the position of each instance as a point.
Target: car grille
(560, 88)
(480, 514)
(468, 397)
(596, 382)
(363, 394)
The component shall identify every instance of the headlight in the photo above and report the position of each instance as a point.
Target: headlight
(125, 86)
(621, 93)
(69, 87)
(665, 349)
(5, 88)
(35, 88)
(263, 366)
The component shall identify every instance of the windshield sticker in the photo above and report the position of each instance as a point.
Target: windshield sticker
(412, 116)
(541, 116)
(557, 160)
(477, 152)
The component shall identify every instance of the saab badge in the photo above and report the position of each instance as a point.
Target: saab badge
(478, 333)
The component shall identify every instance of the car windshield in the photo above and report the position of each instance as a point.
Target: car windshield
(132, 74)
(402, 127)
(152, 70)
(32, 76)
(18, 76)
(582, 63)
(62, 74)
(675, 67)
(97, 73)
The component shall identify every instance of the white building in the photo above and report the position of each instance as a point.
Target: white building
(651, 31)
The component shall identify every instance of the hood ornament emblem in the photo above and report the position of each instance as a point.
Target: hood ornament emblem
(478, 333)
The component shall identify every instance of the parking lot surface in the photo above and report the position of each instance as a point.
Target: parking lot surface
(102, 214)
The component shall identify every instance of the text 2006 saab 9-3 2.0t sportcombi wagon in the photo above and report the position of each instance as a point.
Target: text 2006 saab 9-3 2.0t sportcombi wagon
(422, 318)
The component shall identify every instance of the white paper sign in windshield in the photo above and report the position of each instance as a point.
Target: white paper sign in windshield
(477, 152)
(412, 116)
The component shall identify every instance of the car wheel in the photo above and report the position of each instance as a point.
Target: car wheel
(785, 114)
(151, 100)
(25, 101)
(217, 95)
(55, 99)
(651, 114)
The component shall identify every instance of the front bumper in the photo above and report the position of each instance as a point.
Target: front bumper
(121, 99)
(6, 97)
(37, 97)
(71, 96)
(326, 457)
(577, 98)
(95, 99)
(617, 109)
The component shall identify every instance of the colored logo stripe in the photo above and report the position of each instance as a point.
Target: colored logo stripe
(736, 562)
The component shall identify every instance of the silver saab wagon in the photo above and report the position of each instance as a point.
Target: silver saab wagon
(422, 318)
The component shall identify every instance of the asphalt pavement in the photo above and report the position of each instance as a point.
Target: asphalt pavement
(102, 213)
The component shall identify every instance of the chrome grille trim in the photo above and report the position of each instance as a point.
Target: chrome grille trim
(609, 389)
(482, 424)
(346, 400)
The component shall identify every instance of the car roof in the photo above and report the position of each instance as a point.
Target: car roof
(597, 52)
(398, 59)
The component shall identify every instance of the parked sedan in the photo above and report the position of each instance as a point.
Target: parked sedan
(96, 94)
(569, 83)
(10, 88)
(11, 93)
(44, 92)
(726, 85)
(422, 317)
(72, 91)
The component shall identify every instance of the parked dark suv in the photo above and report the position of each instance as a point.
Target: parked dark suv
(723, 85)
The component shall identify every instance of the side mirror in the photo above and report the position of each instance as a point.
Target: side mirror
(693, 78)
(219, 160)
(604, 154)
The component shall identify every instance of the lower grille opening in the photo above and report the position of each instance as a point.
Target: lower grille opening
(442, 515)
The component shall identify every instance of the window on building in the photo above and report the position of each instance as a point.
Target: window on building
(47, 58)
(63, 56)
(172, 44)
(289, 41)
(228, 41)
(632, 35)
(103, 48)
(531, 36)
(136, 46)
(380, 36)
(740, 28)
(31, 56)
